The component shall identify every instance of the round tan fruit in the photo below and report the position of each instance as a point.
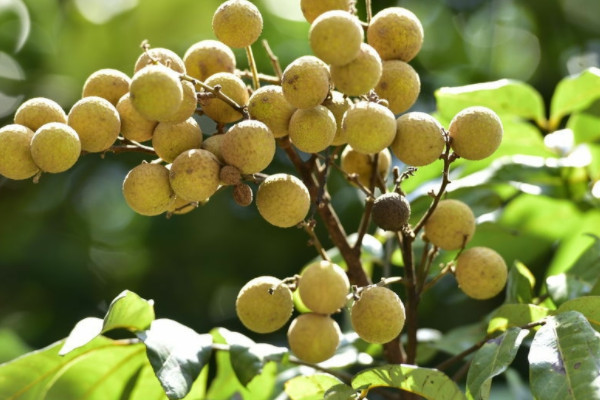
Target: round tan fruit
(283, 200)
(207, 57)
(194, 175)
(213, 144)
(15, 154)
(268, 105)
(188, 105)
(170, 140)
(306, 82)
(249, 146)
(242, 194)
(96, 121)
(237, 23)
(134, 126)
(110, 84)
(378, 315)
(419, 139)
(164, 56)
(335, 37)
(55, 147)
(360, 75)
(481, 272)
(361, 164)
(399, 85)
(156, 92)
(391, 211)
(39, 111)
(313, 338)
(264, 304)
(396, 33)
(234, 88)
(476, 133)
(311, 9)
(451, 225)
(369, 127)
(312, 129)
(147, 190)
(338, 104)
(323, 287)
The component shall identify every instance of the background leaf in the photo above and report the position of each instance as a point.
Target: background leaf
(515, 315)
(520, 284)
(574, 93)
(589, 306)
(248, 361)
(311, 387)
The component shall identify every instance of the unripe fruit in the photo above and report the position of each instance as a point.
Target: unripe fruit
(268, 105)
(481, 272)
(311, 9)
(419, 139)
(335, 37)
(15, 154)
(234, 88)
(147, 190)
(164, 56)
(237, 23)
(338, 105)
(194, 175)
(369, 127)
(170, 140)
(476, 133)
(451, 225)
(396, 33)
(323, 287)
(110, 84)
(242, 194)
(391, 211)
(55, 147)
(156, 92)
(97, 123)
(312, 129)
(378, 315)
(188, 105)
(264, 304)
(213, 144)
(399, 85)
(283, 200)
(207, 57)
(361, 164)
(313, 338)
(249, 146)
(360, 75)
(39, 111)
(134, 126)
(306, 82)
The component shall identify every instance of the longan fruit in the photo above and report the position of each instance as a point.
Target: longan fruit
(230, 175)
(55, 147)
(306, 82)
(264, 304)
(283, 200)
(213, 144)
(96, 121)
(335, 37)
(311, 9)
(312, 129)
(338, 104)
(391, 211)
(170, 140)
(147, 190)
(361, 164)
(369, 127)
(268, 105)
(481, 272)
(323, 287)
(108, 83)
(180, 206)
(249, 146)
(242, 194)
(164, 56)
(476, 133)
(156, 92)
(134, 126)
(39, 111)
(360, 75)
(313, 338)
(396, 33)
(207, 57)
(399, 85)
(234, 88)
(237, 23)
(15, 154)
(188, 105)
(378, 315)
(451, 225)
(419, 139)
(194, 175)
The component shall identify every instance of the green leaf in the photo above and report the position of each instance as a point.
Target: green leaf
(515, 315)
(177, 355)
(460, 338)
(311, 387)
(248, 360)
(491, 360)
(564, 359)
(20, 9)
(520, 284)
(589, 306)
(585, 124)
(429, 383)
(83, 332)
(564, 287)
(574, 93)
(587, 265)
(341, 392)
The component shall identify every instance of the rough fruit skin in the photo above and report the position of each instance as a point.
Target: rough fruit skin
(419, 139)
(156, 92)
(164, 56)
(283, 200)
(396, 33)
(249, 146)
(313, 338)
(39, 111)
(312, 129)
(213, 144)
(323, 287)
(242, 194)
(261, 311)
(180, 206)
(311, 9)
(207, 57)
(360, 164)
(194, 175)
(378, 315)
(476, 133)
(189, 103)
(147, 190)
(451, 225)
(268, 105)
(170, 140)
(306, 82)
(360, 75)
(481, 272)
(399, 85)
(335, 37)
(134, 126)
(338, 105)
(391, 211)
(369, 127)
(55, 147)
(15, 154)
(96, 121)
(237, 23)
(110, 84)
(231, 86)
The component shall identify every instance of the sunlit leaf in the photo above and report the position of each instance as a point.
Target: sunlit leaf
(574, 93)
(519, 288)
(585, 124)
(340, 392)
(311, 387)
(589, 306)
(83, 332)
(564, 287)
(248, 361)
(20, 9)
(515, 315)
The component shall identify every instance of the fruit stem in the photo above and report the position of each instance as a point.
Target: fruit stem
(309, 228)
(369, 11)
(252, 64)
(274, 60)
(406, 239)
(216, 91)
(261, 77)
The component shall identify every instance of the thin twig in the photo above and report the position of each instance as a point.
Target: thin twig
(274, 60)
(216, 91)
(253, 70)
(309, 228)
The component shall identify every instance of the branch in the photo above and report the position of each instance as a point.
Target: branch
(216, 91)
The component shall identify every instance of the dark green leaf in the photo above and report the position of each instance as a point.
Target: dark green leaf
(129, 311)
(248, 361)
(340, 392)
(515, 315)
(519, 288)
(20, 9)
(587, 266)
(589, 306)
(311, 387)
(461, 338)
(565, 359)
(564, 287)
(574, 93)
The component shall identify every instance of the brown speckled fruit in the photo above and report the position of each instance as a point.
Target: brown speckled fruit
(15, 154)
(361, 164)
(156, 92)
(96, 121)
(360, 75)
(237, 23)
(378, 315)
(234, 88)
(194, 175)
(323, 287)
(164, 56)
(268, 105)
(283, 200)
(313, 338)
(146, 189)
(335, 37)
(481, 273)
(338, 105)
(306, 82)
(170, 140)
(55, 147)
(249, 146)
(476, 133)
(399, 85)
(451, 225)
(391, 211)
(369, 127)
(110, 84)
(311, 9)
(419, 139)
(188, 105)
(312, 129)
(396, 33)
(207, 57)
(134, 126)
(264, 304)
(39, 111)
